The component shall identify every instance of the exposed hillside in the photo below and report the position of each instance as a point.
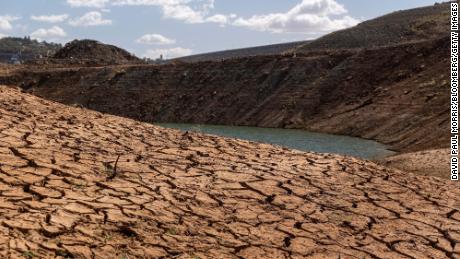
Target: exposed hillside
(403, 26)
(63, 195)
(405, 104)
(434, 162)
(94, 52)
(396, 94)
(24, 49)
(273, 49)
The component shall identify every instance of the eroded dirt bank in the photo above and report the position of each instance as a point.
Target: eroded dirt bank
(397, 95)
(434, 162)
(194, 196)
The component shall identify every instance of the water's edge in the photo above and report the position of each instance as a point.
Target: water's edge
(294, 139)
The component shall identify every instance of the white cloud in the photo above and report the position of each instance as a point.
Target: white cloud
(3, 35)
(309, 16)
(149, 2)
(88, 3)
(319, 7)
(90, 19)
(183, 13)
(218, 18)
(5, 22)
(50, 18)
(53, 32)
(168, 53)
(155, 39)
(189, 11)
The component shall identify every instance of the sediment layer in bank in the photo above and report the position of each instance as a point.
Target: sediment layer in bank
(397, 95)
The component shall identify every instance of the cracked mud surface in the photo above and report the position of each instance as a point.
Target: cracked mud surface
(180, 195)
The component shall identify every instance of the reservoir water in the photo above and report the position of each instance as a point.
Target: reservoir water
(294, 139)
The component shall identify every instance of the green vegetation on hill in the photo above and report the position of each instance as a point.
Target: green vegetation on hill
(25, 48)
(27, 45)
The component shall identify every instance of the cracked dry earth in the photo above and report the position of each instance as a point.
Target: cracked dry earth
(186, 195)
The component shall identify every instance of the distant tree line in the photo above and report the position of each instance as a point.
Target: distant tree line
(15, 49)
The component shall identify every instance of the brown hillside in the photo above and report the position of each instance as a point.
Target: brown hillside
(384, 79)
(176, 195)
(423, 23)
(94, 53)
(274, 49)
(397, 95)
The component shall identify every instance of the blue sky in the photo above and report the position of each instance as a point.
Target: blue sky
(149, 28)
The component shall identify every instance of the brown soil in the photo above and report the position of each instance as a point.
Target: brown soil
(186, 195)
(398, 95)
(429, 162)
(90, 52)
(243, 52)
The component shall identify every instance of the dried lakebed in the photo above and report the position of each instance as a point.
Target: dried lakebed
(294, 139)
(188, 195)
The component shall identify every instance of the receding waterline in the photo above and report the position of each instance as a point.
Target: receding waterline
(294, 139)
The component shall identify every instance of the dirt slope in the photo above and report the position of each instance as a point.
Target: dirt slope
(273, 49)
(411, 25)
(397, 95)
(91, 52)
(430, 162)
(194, 196)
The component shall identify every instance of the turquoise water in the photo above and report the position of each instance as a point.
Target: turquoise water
(294, 139)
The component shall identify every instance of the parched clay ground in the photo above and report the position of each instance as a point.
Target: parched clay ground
(429, 162)
(178, 195)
